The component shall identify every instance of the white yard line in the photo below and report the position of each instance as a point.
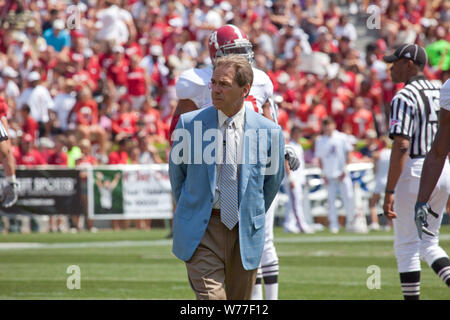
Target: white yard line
(161, 243)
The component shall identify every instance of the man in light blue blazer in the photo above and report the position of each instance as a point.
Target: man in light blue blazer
(226, 166)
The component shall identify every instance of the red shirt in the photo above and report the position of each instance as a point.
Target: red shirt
(156, 76)
(361, 121)
(412, 17)
(125, 122)
(106, 60)
(152, 123)
(118, 157)
(117, 72)
(136, 82)
(94, 69)
(31, 158)
(313, 117)
(83, 78)
(86, 160)
(48, 65)
(133, 49)
(351, 81)
(87, 112)
(3, 107)
(57, 158)
(283, 119)
(336, 103)
(76, 56)
(322, 46)
(273, 75)
(30, 126)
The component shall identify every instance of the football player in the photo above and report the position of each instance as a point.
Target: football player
(11, 190)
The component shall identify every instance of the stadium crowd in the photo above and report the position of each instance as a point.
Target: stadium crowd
(93, 82)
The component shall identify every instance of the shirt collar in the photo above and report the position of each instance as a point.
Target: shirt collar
(416, 78)
(238, 118)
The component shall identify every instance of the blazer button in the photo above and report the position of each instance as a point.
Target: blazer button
(205, 221)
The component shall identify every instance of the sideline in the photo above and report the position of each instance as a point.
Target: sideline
(166, 242)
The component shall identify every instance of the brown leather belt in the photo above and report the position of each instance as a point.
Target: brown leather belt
(215, 212)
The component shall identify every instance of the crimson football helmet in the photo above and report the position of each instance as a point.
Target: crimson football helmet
(229, 39)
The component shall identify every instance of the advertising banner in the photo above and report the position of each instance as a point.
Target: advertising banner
(129, 192)
(46, 191)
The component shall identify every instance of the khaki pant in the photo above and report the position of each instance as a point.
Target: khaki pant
(215, 270)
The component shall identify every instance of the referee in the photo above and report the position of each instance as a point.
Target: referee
(413, 126)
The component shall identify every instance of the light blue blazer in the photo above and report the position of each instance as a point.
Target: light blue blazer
(193, 182)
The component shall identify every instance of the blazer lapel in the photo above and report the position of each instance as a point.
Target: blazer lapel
(211, 123)
(250, 152)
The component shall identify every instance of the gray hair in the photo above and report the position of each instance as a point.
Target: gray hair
(243, 69)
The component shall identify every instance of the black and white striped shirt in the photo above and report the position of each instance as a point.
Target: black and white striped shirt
(3, 132)
(414, 114)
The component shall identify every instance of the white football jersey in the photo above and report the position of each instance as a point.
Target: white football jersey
(194, 84)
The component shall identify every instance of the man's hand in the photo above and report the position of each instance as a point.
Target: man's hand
(291, 157)
(292, 185)
(421, 210)
(388, 206)
(10, 194)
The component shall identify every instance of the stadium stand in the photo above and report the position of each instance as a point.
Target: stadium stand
(91, 75)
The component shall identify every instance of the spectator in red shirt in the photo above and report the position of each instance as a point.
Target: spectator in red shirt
(92, 66)
(275, 72)
(324, 42)
(82, 77)
(137, 83)
(337, 99)
(86, 110)
(361, 119)
(125, 120)
(46, 147)
(285, 90)
(120, 156)
(28, 155)
(59, 156)
(116, 73)
(283, 118)
(311, 116)
(3, 107)
(150, 120)
(29, 125)
(371, 91)
(132, 48)
(75, 54)
(106, 58)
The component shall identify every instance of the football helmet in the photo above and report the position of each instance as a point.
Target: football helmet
(229, 39)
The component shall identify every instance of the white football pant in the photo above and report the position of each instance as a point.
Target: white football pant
(409, 249)
(345, 188)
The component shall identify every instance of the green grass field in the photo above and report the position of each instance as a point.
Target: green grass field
(140, 265)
